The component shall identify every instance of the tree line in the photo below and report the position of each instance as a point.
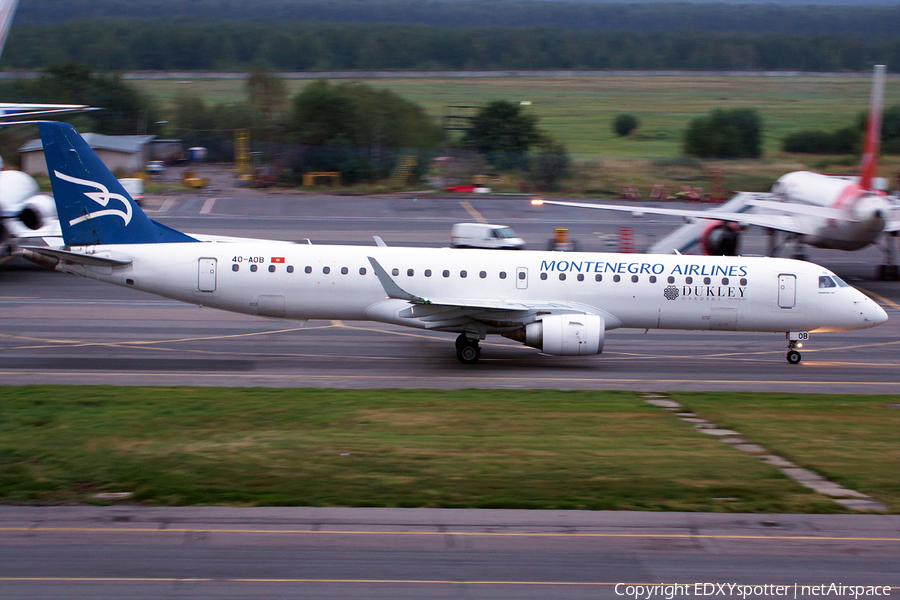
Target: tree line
(597, 16)
(122, 45)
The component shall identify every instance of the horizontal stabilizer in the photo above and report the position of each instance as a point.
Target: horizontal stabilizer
(75, 258)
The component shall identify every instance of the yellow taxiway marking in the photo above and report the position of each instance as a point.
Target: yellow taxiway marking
(880, 298)
(471, 210)
(537, 534)
(433, 378)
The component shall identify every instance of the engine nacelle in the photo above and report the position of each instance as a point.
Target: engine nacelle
(37, 211)
(720, 239)
(567, 335)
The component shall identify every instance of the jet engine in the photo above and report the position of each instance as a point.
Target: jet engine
(720, 239)
(564, 335)
(37, 211)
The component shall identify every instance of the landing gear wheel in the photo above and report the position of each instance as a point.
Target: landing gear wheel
(793, 357)
(467, 350)
(468, 354)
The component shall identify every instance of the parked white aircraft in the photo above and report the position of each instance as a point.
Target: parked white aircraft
(561, 303)
(819, 210)
(24, 212)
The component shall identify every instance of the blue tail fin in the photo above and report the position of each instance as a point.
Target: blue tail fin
(93, 206)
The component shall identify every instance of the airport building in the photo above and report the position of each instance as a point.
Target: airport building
(122, 154)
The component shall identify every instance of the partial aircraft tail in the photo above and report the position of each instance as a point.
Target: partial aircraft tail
(872, 141)
(7, 12)
(93, 206)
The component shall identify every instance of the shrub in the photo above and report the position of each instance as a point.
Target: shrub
(625, 124)
(725, 134)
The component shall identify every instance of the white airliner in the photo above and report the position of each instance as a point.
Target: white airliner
(560, 303)
(24, 211)
(819, 210)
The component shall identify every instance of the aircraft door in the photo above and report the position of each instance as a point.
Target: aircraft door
(206, 280)
(522, 278)
(787, 291)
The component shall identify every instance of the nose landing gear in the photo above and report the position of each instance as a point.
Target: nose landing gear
(794, 342)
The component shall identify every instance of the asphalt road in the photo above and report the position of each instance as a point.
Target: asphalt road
(57, 328)
(127, 552)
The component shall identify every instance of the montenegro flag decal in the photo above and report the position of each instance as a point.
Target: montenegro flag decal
(277, 259)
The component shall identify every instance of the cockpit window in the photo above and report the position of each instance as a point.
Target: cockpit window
(826, 282)
(841, 282)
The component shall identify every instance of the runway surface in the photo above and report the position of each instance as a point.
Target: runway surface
(95, 552)
(57, 328)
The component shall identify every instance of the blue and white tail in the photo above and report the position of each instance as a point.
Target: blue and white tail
(93, 206)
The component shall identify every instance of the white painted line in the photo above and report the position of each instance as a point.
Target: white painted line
(167, 204)
(207, 206)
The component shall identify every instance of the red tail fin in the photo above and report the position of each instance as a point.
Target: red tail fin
(872, 140)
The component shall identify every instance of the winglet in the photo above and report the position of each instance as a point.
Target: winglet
(93, 206)
(872, 141)
(379, 241)
(392, 289)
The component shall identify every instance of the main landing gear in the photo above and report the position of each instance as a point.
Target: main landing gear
(467, 350)
(795, 340)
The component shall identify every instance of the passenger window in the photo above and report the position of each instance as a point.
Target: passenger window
(598, 277)
(724, 281)
(463, 274)
(689, 280)
(543, 276)
(522, 275)
(616, 278)
(503, 274)
(362, 270)
(743, 281)
(235, 267)
(634, 279)
(271, 268)
(427, 272)
(344, 270)
(826, 282)
(307, 270)
(562, 276)
(290, 269)
(483, 274)
(410, 272)
(326, 270)
(653, 279)
(253, 268)
(671, 279)
(395, 272)
(446, 273)
(706, 281)
(580, 277)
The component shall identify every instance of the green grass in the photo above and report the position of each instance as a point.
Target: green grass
(467, 448)
(852, 440)
(579, 110)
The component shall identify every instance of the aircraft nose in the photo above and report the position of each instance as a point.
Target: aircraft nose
(879, 315)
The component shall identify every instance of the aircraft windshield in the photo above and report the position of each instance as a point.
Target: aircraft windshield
(826, 282)
(841, 282)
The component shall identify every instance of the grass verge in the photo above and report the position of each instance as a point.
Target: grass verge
(851, 440)
(466, 448)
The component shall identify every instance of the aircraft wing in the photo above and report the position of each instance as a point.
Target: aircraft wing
(446, 312)
(781, 222)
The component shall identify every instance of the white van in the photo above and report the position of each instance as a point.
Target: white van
(135, 188)
(482, 235)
